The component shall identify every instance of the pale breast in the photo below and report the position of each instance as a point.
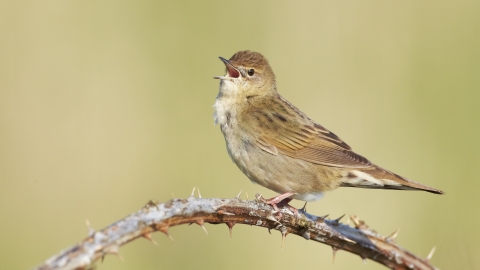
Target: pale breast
(225, 115)
(278, 172)
(283, 174)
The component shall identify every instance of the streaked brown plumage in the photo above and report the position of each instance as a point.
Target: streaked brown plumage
(279, 147)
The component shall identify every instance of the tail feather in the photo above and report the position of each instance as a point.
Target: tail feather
(378, 178)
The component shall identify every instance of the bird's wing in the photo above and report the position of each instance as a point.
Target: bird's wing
(301, 138)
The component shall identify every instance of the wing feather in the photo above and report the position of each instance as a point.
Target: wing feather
(291, 133)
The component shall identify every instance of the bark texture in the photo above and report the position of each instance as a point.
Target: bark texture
(156, 216)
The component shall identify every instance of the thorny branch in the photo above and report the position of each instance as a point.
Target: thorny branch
(155, 216)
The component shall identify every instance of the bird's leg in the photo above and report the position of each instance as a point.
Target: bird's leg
(281, 200)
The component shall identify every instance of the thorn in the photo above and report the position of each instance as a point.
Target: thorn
(114, 250)
(173, 195)
(392, 236)
(148, 236)
(306, 234)
(355, 221)
(334, 253)
(119, 256)
(323, 217)
(199, 195)
(90, 229)
(430, 255)
(338, 219)
(204, 229)
(269, 231)
(164, 229)
(304, 208)
(200, 223)
(398, 258)
(359, 224)
(152, 203)
(284, 231)
(193, 192)
(246, 193)
(270, 217)
(347, 239)
(222, 212)
(238, 196)
(230, 227)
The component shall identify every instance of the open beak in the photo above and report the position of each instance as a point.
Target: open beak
(232, 72)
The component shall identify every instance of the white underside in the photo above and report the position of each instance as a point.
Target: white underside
(365, 179)
(309, 197)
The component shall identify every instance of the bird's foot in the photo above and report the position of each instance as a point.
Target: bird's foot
(280, 201)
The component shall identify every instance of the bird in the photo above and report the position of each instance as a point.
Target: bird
(279, 147)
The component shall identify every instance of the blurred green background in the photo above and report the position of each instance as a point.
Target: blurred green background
(105, 105)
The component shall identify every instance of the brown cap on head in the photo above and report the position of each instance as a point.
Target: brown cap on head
(249, 59)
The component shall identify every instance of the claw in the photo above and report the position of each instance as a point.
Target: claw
(193, 192)
(199, 195)
(238, 196)
(279, 201)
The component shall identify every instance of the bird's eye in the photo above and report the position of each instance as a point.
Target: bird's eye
(251, 72)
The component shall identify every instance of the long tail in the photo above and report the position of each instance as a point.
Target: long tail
(378, 178)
